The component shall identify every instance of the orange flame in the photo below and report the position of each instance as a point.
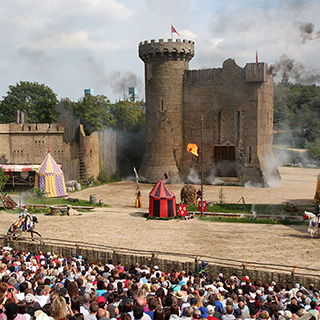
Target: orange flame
(193, 148)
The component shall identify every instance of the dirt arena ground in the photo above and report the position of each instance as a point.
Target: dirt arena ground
(122, 225)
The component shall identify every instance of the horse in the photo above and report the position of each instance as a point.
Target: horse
(313, 223)
(24, 224)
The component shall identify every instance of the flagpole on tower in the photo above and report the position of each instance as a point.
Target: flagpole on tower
(171, 32)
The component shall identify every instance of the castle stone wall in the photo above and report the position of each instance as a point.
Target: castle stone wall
(5, 151)
(229, 107)
(236, 104)
(28, 144)
(265, 131)
(90, 147)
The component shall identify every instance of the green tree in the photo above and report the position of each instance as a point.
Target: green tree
(127, 115)
(285, 82)
(281, 108)
(36, 99)
(314, 149)
(93, 112)
(296, 113)
(130, 126)
(3, 179)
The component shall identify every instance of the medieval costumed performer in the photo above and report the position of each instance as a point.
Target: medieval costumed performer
(138, 203)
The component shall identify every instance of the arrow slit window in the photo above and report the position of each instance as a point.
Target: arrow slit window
(149, 135)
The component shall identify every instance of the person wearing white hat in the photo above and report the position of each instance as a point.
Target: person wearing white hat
(157, 272)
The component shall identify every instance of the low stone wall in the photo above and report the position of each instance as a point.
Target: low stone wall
(166, 265)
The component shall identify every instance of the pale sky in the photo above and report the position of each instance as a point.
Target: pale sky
(70, 45)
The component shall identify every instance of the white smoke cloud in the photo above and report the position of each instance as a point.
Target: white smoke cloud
(25, 197)
(250, 184)
(212, 179)
(193, 176)
(271, 171)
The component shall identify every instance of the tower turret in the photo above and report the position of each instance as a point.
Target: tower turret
(165, 63)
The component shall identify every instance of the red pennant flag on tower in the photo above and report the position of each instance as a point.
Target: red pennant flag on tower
(256, 56)
(173, 30)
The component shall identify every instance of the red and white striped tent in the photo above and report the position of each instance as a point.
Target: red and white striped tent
(162, 202)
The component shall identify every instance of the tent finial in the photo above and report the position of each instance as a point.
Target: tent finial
(49, 148)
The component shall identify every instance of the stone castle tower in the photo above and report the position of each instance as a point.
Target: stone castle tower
(165, 63)
(237, 107)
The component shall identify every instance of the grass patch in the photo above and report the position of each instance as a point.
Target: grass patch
(224, 208)
(251, 220)
(13, 211)
(51, 201)
(54, 201)
(261, 209)
(95, 183)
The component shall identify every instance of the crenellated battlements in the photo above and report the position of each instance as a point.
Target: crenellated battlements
(169, 41)
(39, 128)
(170, 50)
(252, 72)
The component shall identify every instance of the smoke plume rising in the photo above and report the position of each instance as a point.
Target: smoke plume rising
(212, 179)
(193, 176)
(307, 31)
(117, 80)
(120, 82)
(294, 70)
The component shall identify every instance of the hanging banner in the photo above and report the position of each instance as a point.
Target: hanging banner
(182, 210)
(204, 205)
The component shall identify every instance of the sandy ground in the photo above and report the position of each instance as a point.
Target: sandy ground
(122, 225)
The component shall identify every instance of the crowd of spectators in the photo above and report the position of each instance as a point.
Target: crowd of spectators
(47, 286)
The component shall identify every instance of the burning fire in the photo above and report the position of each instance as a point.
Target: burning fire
(193, 148)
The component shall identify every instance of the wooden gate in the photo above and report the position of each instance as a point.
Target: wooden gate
(225, 161)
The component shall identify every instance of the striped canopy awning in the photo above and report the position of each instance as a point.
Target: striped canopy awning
(19, 167)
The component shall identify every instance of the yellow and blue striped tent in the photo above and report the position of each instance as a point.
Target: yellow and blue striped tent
(49, 177)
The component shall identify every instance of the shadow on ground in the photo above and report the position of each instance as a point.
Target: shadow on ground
(139, 214)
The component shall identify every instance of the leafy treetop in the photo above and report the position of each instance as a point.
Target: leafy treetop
(36, 99)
